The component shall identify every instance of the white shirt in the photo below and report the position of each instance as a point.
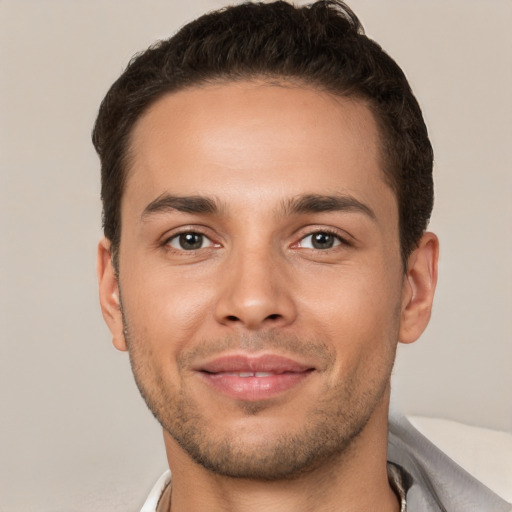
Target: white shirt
(431, 481)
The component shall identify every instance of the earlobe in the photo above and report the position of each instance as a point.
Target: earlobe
(418, 288)
(109, 294)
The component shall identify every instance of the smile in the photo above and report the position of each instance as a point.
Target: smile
(250, 374)
(254, 378)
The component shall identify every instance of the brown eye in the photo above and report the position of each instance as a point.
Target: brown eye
(189, 241)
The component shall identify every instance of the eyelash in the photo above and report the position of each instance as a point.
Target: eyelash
(195, 231)
(326, 231)
(341, 241)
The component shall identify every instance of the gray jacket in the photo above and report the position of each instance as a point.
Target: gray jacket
(434, 482)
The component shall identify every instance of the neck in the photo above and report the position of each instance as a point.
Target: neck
(354, 481)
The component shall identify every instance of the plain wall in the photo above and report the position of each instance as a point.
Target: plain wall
(73, 428)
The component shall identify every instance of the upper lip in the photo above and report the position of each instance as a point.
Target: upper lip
(269, 363)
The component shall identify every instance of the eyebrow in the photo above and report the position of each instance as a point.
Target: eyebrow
(186, 204)
(309, 203)
(317, 203)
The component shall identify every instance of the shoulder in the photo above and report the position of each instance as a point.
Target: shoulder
(434, 481)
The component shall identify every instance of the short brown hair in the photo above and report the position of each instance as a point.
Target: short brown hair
(320, 45)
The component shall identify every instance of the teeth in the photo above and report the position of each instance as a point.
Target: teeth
(249, 374)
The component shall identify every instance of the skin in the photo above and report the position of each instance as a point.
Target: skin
(258, 285)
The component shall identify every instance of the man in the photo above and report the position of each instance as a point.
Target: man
(266, 185)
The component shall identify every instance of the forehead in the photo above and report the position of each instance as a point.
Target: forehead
(250, 140)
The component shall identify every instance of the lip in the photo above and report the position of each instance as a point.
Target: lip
(254, 378)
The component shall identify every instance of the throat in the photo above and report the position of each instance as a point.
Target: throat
(164, 503)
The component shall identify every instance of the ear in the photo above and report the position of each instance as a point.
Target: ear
(109, 294)
(418, 288)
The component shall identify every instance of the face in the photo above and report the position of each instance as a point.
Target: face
(260, 280)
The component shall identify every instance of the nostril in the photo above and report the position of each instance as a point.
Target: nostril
(274, 316)
(232, 318)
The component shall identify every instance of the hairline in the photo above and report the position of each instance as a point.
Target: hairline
(272, 80)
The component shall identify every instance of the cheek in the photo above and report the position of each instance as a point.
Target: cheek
(165, 308)
(356, 294)
(357, 310)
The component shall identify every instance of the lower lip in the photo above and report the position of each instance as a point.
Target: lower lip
(254, 388)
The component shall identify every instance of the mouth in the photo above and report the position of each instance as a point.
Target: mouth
(254, 378)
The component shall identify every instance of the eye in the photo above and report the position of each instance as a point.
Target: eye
(189, 241)
(320, 240)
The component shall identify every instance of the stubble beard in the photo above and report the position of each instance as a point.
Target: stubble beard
(326, 435)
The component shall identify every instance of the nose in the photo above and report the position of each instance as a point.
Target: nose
(255, 293)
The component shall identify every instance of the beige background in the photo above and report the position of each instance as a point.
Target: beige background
(73, 428)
